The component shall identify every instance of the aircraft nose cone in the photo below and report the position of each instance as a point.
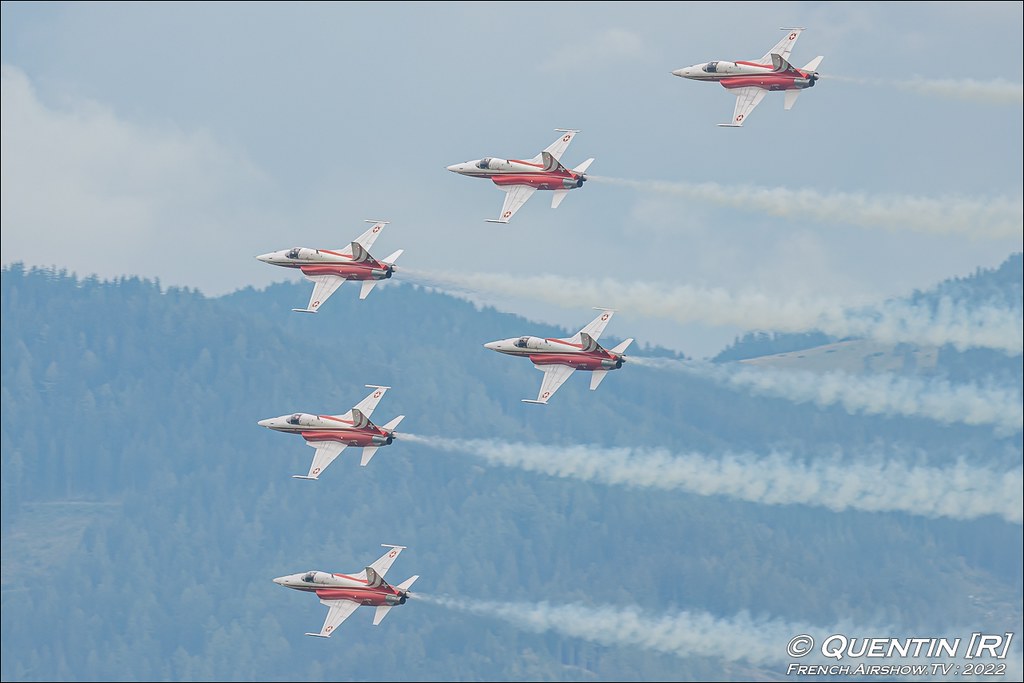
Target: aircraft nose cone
(265, 423)
(681, 72)
(264, 257)
(454, 168)
(279, 581)
(493, 346)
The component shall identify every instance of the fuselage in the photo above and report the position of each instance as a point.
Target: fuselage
(552, 351)
(329, 586)
(329, 262)
(748, 74)
(330, 428)
(518, 172)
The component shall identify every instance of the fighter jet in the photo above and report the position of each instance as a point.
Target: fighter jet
(558, 358)
(520, 179)
(342, 593)
(329, 268)
(751, 81)
(331, 434)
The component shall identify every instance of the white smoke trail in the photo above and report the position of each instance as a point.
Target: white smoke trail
(961, 491)
(992, 217)
(759, 641)
(891, 322)
(996, 91)
(880, 394)
(684, 634)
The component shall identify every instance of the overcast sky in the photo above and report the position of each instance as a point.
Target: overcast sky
(180, 140)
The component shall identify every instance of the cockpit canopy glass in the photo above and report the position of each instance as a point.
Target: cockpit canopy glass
(711, 67)
(484, 163)
(293, 253)
(309, 577)
(294, 419)
(522, 342)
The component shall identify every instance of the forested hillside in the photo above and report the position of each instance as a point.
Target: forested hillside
(1001, 288)
(145, 512)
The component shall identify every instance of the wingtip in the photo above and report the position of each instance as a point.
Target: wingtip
(304, 310)
(496, 220)
(534, 401)
(318, 635)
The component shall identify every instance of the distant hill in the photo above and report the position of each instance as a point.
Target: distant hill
(144, 512)
(815, 351)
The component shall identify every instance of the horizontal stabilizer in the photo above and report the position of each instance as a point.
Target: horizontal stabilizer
(368, 452)
(390, 260)
(595, 378)
(582, 168)
(366, 288)
(621, 348)
(790, 99)
(813, 64)
(380, 613)
(393, 424)
(407, 584)
(557, 196)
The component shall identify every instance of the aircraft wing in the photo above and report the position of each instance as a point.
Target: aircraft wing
(367, 239)
(596, 326)
(337, 612)
(368, 404)
(783, 47)
(515, 197)
(558, 147)
(326, 452)
(384, 562)
(323, 287)
(554, 377)
(746, 100)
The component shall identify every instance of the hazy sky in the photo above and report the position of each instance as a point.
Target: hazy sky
(180, 140)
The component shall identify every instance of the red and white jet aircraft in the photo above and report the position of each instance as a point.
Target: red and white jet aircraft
(751, 81)
(331, 434)
(520, 179)
(330, 268)
(342, 593)
(558, 358)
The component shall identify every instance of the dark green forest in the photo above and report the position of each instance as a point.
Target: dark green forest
(144, 512)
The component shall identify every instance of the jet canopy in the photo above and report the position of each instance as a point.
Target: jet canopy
(527, 343)
(293, 253)
(295, 419)
(484, 163)
(711, 67)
